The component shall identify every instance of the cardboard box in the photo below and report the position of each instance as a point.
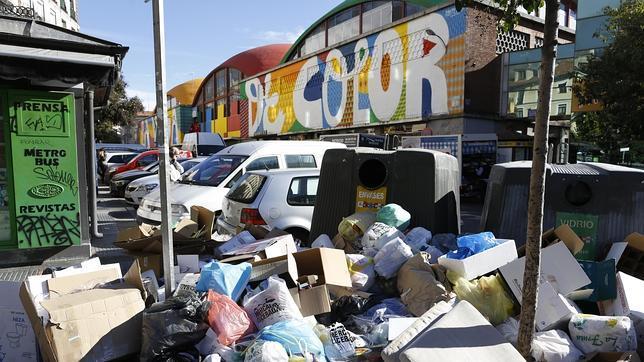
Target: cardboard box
(267, 248)
(629, 302)
(632, 260)
(613, 357)
(483, 262)
(92, 324)
(565, 234)
(17, 338)
(205, 219)
(327, 267)
(150, 261)
(187, 228)
(558, 267)
(553, 310)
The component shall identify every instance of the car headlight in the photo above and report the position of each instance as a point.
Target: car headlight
(149, 187)
(177, 209)
(119, 183)
(112, 169)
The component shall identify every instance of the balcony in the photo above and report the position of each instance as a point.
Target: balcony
(20, 11)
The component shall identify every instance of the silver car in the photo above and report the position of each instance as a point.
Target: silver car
(281, 199)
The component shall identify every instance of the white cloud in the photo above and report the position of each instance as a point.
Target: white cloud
(148, 98)
(273, 36)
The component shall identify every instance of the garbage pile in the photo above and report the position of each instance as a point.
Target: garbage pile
(376, 290)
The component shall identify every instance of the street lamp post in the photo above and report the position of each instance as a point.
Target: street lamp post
(162, 129)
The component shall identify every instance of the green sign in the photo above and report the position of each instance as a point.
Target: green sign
(585, 226)
(45, 168)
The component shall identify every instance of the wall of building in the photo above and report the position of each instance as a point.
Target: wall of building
(408, 72)
(63, 13)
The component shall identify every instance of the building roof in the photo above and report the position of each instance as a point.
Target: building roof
(250, 62)
(343, 6)
(185, 92)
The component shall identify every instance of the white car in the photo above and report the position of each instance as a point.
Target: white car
(137, 189)
(282, 199)
(207, 183)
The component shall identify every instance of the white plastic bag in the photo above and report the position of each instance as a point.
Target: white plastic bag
(271, 305)
(362, 271)
(323, 241)
(380, 234)
(592, 333)
(337, 341)
(509, 329)
(391, 257)
(554, 346)
(418, 239)
(265, 351)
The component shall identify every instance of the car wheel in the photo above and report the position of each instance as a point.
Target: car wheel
(301, 234)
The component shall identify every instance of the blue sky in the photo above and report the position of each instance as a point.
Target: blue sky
(200, 34)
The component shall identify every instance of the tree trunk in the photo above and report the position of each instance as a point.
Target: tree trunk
(538, 181)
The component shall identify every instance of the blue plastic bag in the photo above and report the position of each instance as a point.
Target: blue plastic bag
(469, 245)
(394, 215)
(296, 336)
(387, 308)
(227, 279)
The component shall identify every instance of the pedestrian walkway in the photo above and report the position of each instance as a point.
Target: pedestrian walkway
(113, 215)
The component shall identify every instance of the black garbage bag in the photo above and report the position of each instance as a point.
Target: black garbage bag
(444, 242)
(344, 307)
(173, 327)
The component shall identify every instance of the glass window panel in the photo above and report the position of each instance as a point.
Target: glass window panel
(300, 161)
(220, 83)
(209, 88)
(264, 163)
(344, 25)
(376, 14)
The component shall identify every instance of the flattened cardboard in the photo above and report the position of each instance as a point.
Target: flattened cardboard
(558, 267)
(483, 262)
(267, 248)
(553, 310)
(602, 279)
(186, 228)
(65, 285)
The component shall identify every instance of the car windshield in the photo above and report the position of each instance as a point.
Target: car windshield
(213, 170)
(128, 158)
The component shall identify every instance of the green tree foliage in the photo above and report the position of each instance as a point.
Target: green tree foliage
(120, 111)
(615, 78)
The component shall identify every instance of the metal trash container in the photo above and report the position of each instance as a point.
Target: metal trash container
(602, 203)
(423, 182)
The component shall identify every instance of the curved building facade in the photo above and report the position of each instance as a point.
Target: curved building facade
(217, 100)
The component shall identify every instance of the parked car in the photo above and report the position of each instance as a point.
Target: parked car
(118, 158)
(207, 183)
(119, 182)
(137, 189)
(281, 199)
(203, 143)
(142, 160)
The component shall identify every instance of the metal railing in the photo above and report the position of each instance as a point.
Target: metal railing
(21, 11)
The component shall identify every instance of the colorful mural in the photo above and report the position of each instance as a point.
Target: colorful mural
(148, 129)
(410, 71)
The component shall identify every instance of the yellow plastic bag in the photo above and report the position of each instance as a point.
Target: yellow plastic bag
(486, 294)
(354, 226)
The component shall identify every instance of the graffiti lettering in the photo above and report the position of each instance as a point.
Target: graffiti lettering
(61, 176)
(47, 123)
(47, 230)
(410, 71)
